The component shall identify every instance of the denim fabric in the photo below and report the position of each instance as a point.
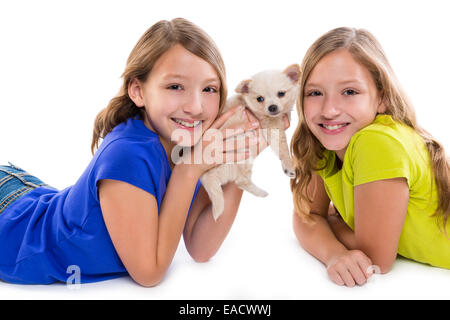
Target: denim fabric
(14, 183)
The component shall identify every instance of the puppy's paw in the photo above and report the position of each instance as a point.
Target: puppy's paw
(217, 210)
(261, 193)
(289, 173)
(253, 189)
(288, 169)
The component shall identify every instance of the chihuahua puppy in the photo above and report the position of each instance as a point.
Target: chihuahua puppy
(268, 95)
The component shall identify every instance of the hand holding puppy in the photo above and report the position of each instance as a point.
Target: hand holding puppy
(268, 97)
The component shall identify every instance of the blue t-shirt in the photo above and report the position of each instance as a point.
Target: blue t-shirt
(47, 231)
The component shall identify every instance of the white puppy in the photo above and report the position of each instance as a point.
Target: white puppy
(269, 95)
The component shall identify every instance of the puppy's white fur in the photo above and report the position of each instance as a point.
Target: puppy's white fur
(269, 95)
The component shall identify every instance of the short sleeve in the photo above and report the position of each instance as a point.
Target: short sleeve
(138, 164)
(378, 156)
(325, 164)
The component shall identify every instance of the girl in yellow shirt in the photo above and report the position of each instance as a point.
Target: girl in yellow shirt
(359, 146)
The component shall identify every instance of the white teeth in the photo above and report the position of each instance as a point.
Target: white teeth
(187, 124)
(334, 127)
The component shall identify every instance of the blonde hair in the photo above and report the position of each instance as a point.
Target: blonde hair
(307, 150)
(151, 46)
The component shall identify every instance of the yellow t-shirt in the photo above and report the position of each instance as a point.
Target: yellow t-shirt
(388, 149)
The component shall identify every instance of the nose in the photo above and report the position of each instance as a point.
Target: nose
(193, 104)
(273, 109)
(330, 108)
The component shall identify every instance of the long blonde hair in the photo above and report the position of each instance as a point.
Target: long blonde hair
(153, 44)
(306, 148)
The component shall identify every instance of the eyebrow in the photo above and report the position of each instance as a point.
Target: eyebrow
(350, 81)
(180, 76)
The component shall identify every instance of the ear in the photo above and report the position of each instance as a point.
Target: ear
(243, 86)
(382, 106)
(293, 72)
(135, 92)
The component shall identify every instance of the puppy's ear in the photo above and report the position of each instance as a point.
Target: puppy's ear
(243, 86)
(293, 72)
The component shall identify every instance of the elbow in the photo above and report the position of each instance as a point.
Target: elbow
(148, 282)
(380, 264)
(297, 228)
(302, 226)
(201, 259)
(381, 267)
(149, 277)
(382, 255)
(199, 253)
(201, 256)
(381, 259)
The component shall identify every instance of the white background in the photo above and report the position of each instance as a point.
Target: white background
(60, 64)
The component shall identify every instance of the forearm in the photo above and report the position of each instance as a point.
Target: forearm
(173, 213)
(342, 231)
(318, 238)
(208, 235)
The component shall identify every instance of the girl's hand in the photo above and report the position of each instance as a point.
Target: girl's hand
(219, 146)
(349, 268)
(262, 142)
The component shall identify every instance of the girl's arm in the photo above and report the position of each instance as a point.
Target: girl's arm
(316, 236)
(380, 211)
(145, 241)
(341, 230)
(202, 235)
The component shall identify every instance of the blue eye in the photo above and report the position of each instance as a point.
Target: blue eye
(174, 87)
(281, 94)
(210, 89)
(314, 93)
(260, 99)
(350, 92)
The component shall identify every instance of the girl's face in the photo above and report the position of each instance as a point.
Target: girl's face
(340, 98)
(180, 96)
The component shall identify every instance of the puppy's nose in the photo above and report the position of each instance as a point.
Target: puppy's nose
(273, 109)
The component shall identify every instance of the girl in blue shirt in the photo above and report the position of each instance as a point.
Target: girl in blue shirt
(127, 211)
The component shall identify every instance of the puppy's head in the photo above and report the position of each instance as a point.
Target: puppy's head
(271, 93)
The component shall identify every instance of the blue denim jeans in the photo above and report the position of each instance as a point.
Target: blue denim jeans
(14, 183)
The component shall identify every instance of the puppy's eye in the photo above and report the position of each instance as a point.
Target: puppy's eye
(260, 99)
(281, 94)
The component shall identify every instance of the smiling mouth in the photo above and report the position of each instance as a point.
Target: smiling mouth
(334, 127)
(187, 123)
